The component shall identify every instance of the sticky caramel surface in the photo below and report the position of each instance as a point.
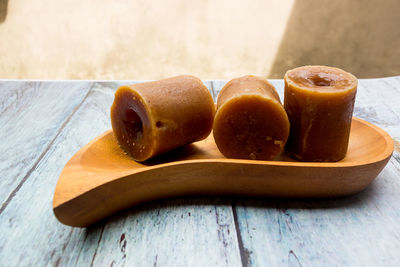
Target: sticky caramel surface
(250, 122)
(319, 101)
(154, 117)
(321, 79)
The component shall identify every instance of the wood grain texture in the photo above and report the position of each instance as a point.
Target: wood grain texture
(31, 114)
(361, 230)
(358, 230)
(178, 232)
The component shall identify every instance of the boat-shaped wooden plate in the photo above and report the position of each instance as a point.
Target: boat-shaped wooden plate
(100, 179)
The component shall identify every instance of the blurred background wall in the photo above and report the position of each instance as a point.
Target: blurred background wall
(221, 39)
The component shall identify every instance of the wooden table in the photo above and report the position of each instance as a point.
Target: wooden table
(43, 123)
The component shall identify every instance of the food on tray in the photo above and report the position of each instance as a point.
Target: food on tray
(154, 117)
(250, 121)
(319, 101)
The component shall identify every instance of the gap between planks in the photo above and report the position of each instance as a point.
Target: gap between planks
(39, 159)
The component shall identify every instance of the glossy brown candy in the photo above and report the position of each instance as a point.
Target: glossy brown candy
(250, 122)
(154, 117)
(319, 101)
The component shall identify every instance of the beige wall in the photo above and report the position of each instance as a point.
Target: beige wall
(102, 39)
(361, 36)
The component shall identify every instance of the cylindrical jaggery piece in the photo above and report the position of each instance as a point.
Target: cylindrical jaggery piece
(250, 122)
(319, 101)
(154, 117)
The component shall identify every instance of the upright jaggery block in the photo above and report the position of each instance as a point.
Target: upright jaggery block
(319, 101)
(250, 122)
(151, 118)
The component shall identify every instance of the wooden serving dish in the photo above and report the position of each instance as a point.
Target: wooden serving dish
(100, 179)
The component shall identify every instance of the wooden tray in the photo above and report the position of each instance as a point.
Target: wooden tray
(100, 179)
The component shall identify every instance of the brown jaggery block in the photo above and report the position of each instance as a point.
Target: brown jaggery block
(151, 118)
(319, 101)
(250, 121)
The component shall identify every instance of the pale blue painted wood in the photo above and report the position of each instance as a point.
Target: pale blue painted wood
(183, 232)
(31, 113)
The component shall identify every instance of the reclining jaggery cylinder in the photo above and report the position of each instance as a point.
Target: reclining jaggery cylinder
(151, 118)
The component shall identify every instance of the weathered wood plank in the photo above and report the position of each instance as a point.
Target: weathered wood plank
(358, 230)
(179, 232)
(378, 102)
(31, 114)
